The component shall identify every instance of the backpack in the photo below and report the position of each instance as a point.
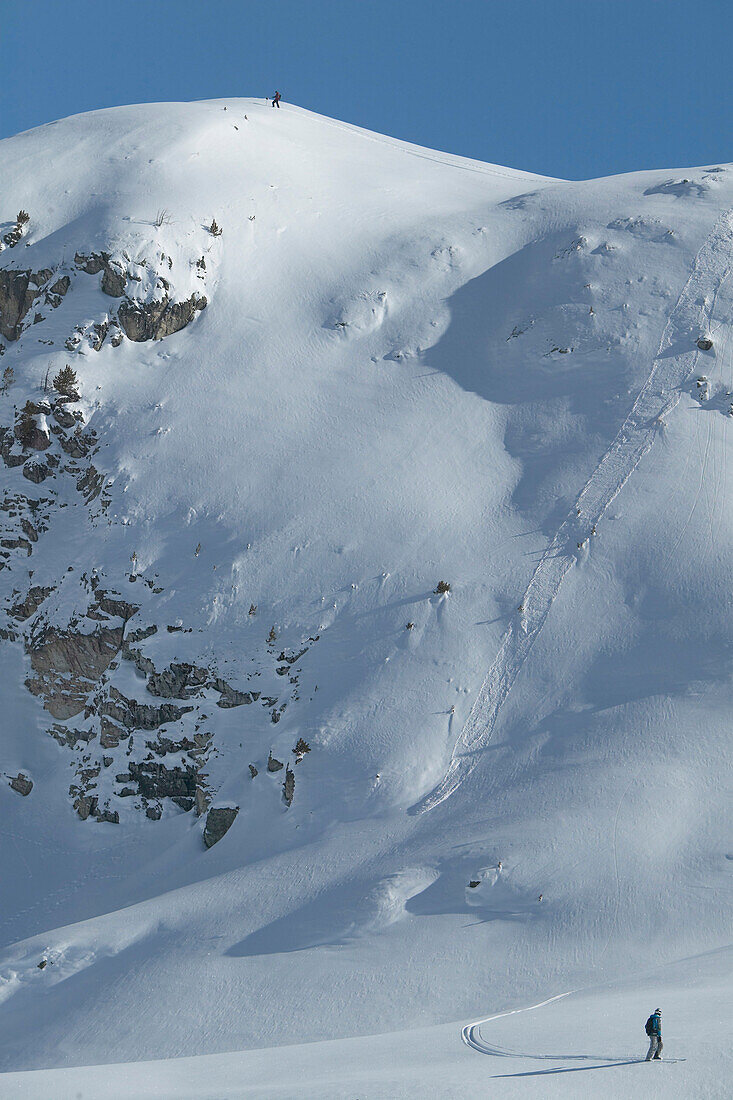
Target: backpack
(649, 1026)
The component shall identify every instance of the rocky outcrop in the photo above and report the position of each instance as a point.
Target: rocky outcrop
(274, 765)
(22, 784)
(230, 697)
(37, 471)
(178, 681)
(140, 716)
(218, 822)
(68, 663)
(288, 786)
(35, 596)
(19, 290)
(114, 279)
(85, 804)
(154, 320)
(154, 780)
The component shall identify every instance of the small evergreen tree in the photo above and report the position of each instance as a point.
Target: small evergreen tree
(8, 379)
(26, 424)
(66, 382)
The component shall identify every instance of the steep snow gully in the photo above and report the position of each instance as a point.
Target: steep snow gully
(693, 314)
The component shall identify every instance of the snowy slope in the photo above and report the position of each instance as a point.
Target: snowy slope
(408, 368)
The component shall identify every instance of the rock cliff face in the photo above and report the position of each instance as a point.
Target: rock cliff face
(147, 309)
(139, 734)
(152, 749)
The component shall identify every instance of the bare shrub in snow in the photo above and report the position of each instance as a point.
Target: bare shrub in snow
(7, 379)
(163, 217)
(215, 229)
(442, 588)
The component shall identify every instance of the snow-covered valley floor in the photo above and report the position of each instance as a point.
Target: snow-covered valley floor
(365, 616)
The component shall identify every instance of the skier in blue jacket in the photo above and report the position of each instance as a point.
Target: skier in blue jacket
(654, 1031)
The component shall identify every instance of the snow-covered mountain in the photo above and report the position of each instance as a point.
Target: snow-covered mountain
(365, 613)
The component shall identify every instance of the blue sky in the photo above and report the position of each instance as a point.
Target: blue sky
(572, 88)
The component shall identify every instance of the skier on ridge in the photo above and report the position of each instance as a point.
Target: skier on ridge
(276, 100)
(653, 1029)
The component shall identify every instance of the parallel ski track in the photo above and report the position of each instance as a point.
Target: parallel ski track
(658, 395)
(472, 1037)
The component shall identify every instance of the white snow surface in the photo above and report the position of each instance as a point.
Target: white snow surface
(412, 368)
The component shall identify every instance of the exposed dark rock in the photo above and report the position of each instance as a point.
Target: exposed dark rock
(704, 344)
(17, 295)
(111, 735)
(202, 800)
(100, 331)
(85, 804)
(120, 608)
(22, 784)
(107, 761)
(274, 765)
(77, 445)
(289, 786)
(91, 264)
(253, 771)
(113, 281)
(61, 286)
(184, 804)
(178, 681)
(109, 815)
(141, 716)
(63, 417)
(126, 792)
(33, 600)
(90, 484)
(68, 663)
(141, 634)
(164, 745)
(153, 812)
(17, 544)
(156, 781)
(114, 277)
(70, 737)
(218, 822)
(30, 435)
(36, 471)
(154, 320)
(230, 697)
(29, 530)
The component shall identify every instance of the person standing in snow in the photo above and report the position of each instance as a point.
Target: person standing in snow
(276, 100)
(654, 1031)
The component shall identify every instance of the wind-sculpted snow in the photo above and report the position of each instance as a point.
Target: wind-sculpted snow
(676, 358)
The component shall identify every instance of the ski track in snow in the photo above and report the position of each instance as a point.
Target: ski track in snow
(472, 1037)
(658, 396)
